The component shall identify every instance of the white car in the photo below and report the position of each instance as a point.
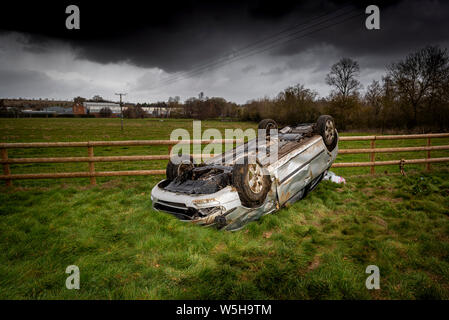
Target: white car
(229, 190)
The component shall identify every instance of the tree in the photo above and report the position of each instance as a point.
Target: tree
(296, 104)
(174, 100)
(105, 112)
(343, 77)
(189, 105)
(421, 78)
(134, 112)
(373, 97)
(344, 103)
(97, 98)
(79, 100)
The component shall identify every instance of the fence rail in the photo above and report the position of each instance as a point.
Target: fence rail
(401, 162)
(91, 159)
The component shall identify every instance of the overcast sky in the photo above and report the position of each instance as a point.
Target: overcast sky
(231, 49)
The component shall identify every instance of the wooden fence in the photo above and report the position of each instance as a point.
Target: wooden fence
(91, 159)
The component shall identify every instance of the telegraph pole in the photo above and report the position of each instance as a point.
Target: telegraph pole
(121, 109)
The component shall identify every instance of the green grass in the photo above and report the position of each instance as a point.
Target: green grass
(317, 248)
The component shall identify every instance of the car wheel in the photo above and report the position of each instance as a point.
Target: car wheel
(267, 124)
(251, 184)
(325, 126)
(173, 170)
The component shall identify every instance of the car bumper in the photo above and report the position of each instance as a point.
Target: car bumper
(185, 205)
(224, 203)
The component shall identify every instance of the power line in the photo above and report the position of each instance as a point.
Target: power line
(225, 56)
(211, 65)
(121, 109)
(264, 48)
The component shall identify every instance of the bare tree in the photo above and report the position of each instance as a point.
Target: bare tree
(421, 77)
(79, 99)
(134, 112)
(343, 77)
(97, 98)
(373, 97)
(105, 112)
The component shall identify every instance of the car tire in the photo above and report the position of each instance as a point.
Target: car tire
(251, 184)
(325, 127)
(267, 124)
(173, 170)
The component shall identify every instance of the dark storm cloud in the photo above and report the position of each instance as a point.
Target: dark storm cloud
(248, 68)
(10, 78)
(405, 26)
(120, 46)
(273, 71)
(29, 83)
(179, 36)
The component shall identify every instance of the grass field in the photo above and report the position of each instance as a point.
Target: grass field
(52, 129)
(317, 248)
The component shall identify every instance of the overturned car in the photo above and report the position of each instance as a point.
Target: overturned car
(247, 182)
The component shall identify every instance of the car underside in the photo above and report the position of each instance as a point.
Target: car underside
(229, 190)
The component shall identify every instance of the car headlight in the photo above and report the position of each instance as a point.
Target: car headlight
(205, 202)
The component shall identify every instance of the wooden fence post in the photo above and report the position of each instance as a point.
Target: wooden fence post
(169, 150)
(373, 156)
(90, 151)
(428, 155)
(6, 169)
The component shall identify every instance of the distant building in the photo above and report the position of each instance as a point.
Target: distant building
(154, 111)
(95, 107)
(78, 108)
(58, 110)
(161, 111)
(30, 113)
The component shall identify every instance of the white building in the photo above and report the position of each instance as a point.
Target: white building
(95, 107)
(161, 111)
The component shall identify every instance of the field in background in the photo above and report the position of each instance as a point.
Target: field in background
(317, 248)
(50, 130)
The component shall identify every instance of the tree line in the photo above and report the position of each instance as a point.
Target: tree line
(412, 95)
